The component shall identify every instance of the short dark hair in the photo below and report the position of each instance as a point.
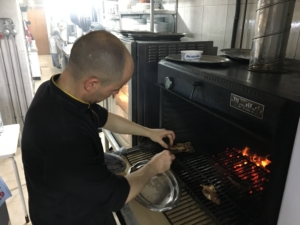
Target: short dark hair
(98, 54)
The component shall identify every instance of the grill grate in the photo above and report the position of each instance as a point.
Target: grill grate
(239, 188)
(193, 170)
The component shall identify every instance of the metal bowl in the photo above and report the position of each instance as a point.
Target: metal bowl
(162, 193)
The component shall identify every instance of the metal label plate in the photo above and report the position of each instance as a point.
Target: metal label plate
(247, 106)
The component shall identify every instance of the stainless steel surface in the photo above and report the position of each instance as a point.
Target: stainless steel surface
(273, 23)
(235, 53)
(152, 15)
(108, 135)
(162, 193)
(205, 59)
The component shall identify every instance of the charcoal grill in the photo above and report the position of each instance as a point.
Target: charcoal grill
(202, 167)
(197, 106)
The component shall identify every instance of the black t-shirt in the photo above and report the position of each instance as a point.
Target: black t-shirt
(67, 180)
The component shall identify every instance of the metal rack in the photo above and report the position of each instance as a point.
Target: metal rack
(152, 12)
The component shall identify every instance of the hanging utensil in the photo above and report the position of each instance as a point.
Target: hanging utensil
(14, 33)
(8, 84)
(10, 56)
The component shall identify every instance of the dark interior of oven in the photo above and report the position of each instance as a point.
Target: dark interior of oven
(217, 161)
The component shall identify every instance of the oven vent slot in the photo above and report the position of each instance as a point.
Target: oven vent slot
(152, 53)
(162, 51)
(173, 49)
(236, 87)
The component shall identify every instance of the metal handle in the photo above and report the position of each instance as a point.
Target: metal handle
(195, 85)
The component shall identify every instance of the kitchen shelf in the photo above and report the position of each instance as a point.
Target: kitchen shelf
(146, 12)
(111, 16)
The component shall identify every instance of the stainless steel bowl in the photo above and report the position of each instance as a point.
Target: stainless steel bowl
(162, 193)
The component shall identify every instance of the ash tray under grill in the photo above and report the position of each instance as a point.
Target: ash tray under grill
(162, 193)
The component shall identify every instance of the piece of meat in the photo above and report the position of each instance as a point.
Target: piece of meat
(210, 193)
(133, 169)
(181, 147)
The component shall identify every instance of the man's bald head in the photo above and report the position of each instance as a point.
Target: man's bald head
(98, 54)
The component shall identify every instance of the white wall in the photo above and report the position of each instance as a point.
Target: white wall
(213, 20)
(10, 9)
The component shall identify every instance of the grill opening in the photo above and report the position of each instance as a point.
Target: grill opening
(218, 160)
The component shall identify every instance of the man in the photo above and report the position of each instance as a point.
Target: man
(53, 49)
(68, 182)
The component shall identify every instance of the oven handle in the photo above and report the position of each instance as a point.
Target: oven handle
(195, 85)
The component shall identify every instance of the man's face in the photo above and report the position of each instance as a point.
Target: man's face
(105, 91)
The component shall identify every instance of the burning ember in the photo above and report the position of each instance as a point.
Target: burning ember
(261, 161)
(248, 168)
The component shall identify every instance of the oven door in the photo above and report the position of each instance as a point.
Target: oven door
(121, 105)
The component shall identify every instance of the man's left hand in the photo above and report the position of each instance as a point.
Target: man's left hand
(157, 135)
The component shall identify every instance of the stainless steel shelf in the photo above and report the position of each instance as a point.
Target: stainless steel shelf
(145, 12)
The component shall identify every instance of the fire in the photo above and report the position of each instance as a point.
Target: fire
(248, 169)
(261, 161)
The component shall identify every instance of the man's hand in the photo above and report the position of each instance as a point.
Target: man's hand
(137, 180)
(161, 162)
(121, 125)
(157, 135)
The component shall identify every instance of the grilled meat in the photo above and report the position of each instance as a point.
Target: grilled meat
(181, 147)
(133, 169)
(210, 193)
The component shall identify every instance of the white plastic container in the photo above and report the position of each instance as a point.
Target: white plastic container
(191, 55)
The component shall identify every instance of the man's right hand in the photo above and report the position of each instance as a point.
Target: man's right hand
(137, 180)
(161, 162)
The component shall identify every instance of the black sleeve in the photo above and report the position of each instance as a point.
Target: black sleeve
(101, 113)
(84, 174)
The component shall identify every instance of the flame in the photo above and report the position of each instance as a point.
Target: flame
(247, 166)
(261, 161)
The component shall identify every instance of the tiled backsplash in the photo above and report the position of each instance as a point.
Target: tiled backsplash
(205, 20)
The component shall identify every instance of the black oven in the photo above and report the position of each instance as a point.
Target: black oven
(242, 126)
(135, 100)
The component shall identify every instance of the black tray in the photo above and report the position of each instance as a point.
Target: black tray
(157, 36)
(239, 54)
(205, 59)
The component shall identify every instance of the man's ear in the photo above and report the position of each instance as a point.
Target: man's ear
(90, 84)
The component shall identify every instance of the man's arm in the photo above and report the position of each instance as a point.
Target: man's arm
(158, 164)
(121, 125)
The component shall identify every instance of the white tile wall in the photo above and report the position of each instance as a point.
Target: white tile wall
(213, 20)
(249, 25)
(214, 24)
